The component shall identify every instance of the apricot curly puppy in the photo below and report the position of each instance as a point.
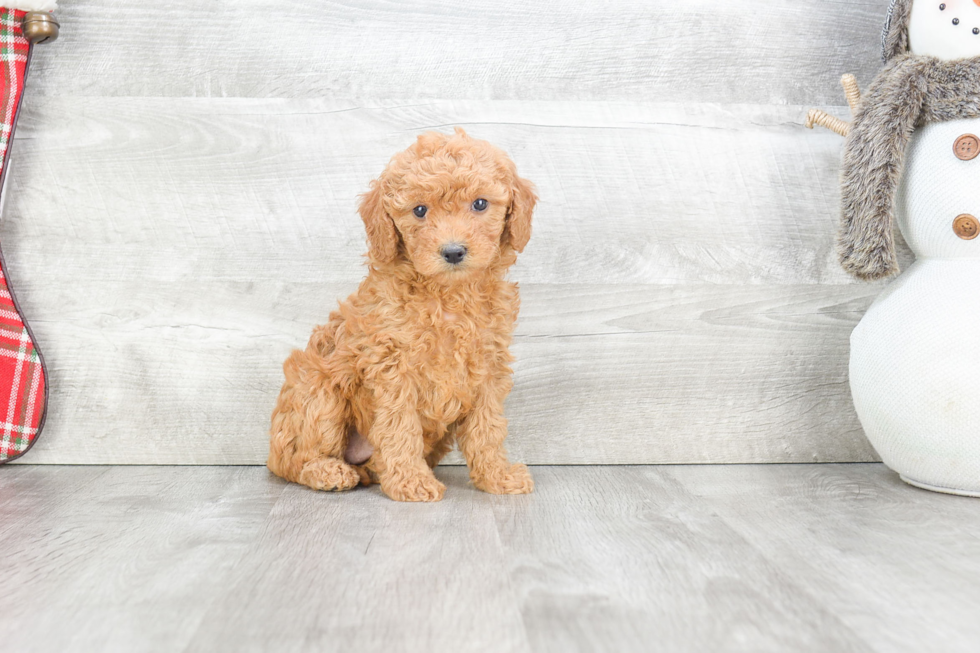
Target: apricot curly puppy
(417, 359)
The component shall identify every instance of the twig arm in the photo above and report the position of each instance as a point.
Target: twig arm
(834, 124)
(824, 119)
(852, 92)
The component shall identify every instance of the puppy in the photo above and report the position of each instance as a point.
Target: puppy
(417, 359)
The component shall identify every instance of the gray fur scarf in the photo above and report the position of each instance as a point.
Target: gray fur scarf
(909, 92)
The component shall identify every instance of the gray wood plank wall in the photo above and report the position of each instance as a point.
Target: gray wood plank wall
(182, 212)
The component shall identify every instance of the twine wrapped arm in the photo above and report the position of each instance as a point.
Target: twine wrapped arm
(833, 123)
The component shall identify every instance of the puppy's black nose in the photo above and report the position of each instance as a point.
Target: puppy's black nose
(454, 254)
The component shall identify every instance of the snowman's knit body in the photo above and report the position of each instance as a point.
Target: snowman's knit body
(915, 363)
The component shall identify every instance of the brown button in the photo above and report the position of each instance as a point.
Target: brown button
(966, 147)
(966, 227)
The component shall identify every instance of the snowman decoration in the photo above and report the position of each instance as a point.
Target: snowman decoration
(912, 156)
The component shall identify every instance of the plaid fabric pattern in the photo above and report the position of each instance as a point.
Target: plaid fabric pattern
(22, 390)
(14, 49)
(21, 380)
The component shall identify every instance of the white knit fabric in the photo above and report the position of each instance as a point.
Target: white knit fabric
(936, 188)
(915, 357)
(32, 5)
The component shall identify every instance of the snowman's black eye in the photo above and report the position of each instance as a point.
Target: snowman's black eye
(956, 21)
(480, 205)
(420, 212)
(942, 7)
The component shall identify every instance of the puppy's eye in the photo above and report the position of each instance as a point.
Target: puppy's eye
(420, 212)
(480, 205)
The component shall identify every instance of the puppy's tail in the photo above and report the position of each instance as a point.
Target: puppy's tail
(309, 430)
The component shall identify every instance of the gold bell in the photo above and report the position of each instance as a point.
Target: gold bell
(40, 27)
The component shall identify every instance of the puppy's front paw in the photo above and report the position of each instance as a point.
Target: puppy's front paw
(331, 474)
(418, 487)
(513, 480)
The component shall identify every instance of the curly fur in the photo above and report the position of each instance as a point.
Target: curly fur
(908, 93)
(417, 359)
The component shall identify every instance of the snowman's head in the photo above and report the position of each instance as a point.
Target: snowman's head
(945, 29)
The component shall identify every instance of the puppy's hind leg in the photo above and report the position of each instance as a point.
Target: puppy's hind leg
(309, 430)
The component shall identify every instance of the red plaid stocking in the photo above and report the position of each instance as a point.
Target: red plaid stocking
(23, 380)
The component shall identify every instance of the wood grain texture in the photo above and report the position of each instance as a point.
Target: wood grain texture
(862, 542)
(673, 312)
(604, 374)
(626, 560)
(705, 558)
(120, 559)
(630, 192)
(742, 51)
(181, 212)
(376, 573)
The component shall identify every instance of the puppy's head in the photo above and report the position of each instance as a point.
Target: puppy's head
(450, 205)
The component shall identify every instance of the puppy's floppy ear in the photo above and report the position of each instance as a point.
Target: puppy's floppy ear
(518, 229)
(382, 236)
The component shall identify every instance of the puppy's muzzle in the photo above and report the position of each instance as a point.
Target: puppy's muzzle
(454, 253)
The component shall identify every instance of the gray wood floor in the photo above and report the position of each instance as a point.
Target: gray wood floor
(703, 558)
